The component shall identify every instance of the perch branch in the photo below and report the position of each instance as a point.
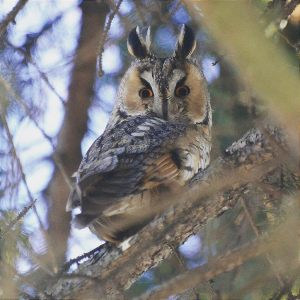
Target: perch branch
(208, 196)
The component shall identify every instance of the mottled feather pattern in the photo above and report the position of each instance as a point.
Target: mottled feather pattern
(120, 146)
(117, 161)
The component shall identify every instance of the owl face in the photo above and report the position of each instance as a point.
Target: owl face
(171, 88)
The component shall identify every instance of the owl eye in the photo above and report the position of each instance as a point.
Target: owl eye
(182, 91)
(145, 93)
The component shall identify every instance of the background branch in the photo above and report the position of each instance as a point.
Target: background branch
(74, 127)
(11, 16)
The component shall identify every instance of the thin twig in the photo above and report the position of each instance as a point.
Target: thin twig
(20, 167)
(139, 12)
(41, 73)
(289, 42)
(17, 159)
(173, 10)
(104, 37)
(182, 264)
(214, 63)
(11, 224)
(258, 234)
(11, 16)
(27, 110)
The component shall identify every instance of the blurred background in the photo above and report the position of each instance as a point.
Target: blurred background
(60, 66)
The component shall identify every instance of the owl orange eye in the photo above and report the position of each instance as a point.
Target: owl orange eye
(182, 91)
(145, 93)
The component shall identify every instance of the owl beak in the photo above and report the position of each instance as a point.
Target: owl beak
(160, 107)
(164, 109)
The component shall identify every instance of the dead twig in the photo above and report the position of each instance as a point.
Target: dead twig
(11, 16)
(104, 37)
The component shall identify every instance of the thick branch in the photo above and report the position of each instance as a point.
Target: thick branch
(209, 195)
(75, 122)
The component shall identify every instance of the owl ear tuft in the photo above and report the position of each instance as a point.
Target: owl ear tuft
(186, 42)
(136, 44)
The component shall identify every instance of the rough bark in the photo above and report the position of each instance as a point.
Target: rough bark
(75, 122)
(111, 270)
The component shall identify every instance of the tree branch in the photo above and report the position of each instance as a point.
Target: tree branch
(211, 193)
(75, 122)
(227, 262)
(201, 275)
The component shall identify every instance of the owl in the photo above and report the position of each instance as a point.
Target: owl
(158, 137)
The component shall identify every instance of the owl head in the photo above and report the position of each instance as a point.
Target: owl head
(172, 88)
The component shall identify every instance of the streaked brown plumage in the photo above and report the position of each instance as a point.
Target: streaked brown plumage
(157, 138)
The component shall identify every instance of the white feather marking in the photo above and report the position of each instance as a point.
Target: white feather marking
(137, 134)
(148, 38)
(144, 128)
(125, 244)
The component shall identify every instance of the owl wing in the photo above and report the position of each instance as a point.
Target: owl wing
(130, 158)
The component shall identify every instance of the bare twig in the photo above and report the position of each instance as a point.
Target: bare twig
(11, 16)
(104, 37)
(17, 159)
(46, 79)
(41, 73)
(258, 234)
(27, 110)
(139, 12)
(182, 264)
(31, 198)
(173, 10)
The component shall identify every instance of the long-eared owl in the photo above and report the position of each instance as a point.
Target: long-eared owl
(158, 137)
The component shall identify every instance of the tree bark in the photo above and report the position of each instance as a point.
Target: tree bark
(75, 123)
